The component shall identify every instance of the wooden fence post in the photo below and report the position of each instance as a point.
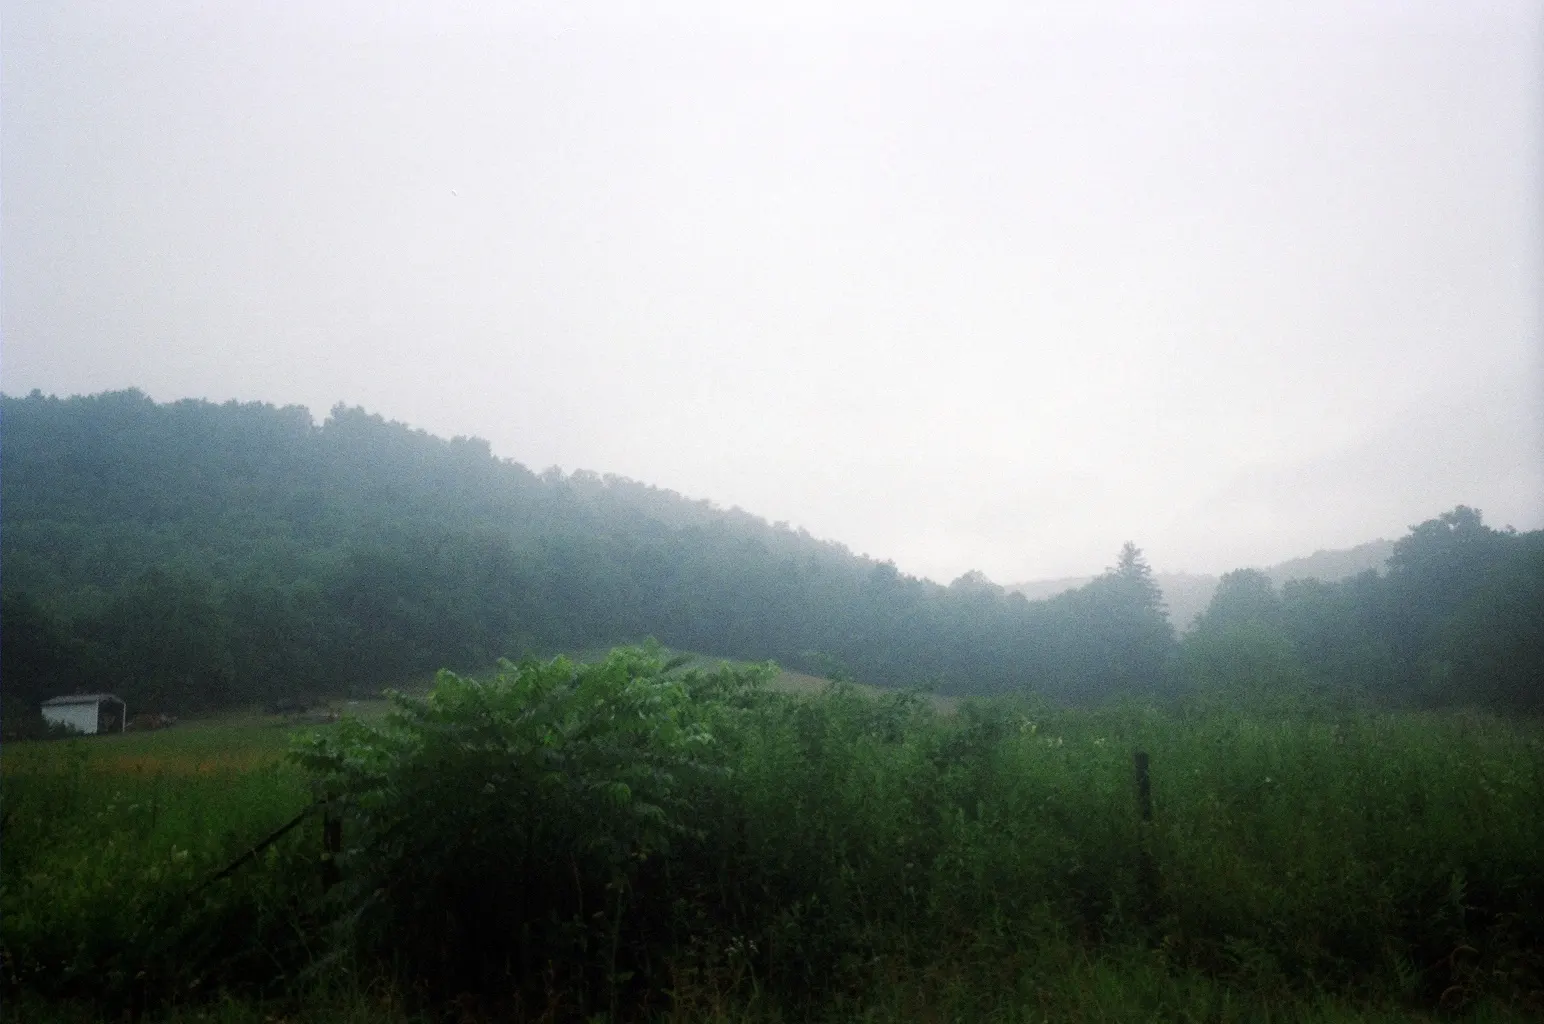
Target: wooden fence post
(332, 845)
(1144, 787)
(1147, 871)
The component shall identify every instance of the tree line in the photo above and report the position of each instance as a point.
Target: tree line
(1457, 619)
(192, 556)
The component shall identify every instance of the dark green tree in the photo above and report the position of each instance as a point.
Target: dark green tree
(1240, 650)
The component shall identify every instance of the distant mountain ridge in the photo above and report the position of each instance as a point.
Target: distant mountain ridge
(1330, 566)
(1187, 594)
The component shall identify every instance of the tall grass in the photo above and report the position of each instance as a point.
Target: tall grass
(838, 856)
(1398, 856)
(106, 843)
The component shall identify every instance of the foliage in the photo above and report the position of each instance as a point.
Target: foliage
(1492, 647)
(495, 825)
(204, 556)
(1458, 620)
(1117, 638)
(200, 556)
(39, 654)
(792, 856)
(105, 843)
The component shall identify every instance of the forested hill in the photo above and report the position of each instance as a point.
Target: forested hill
(190, 556)
(1187, 593)
(197, 555)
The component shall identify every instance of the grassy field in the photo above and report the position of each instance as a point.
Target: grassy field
(992, 862)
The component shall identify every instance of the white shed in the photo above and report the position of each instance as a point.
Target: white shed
(89, 713)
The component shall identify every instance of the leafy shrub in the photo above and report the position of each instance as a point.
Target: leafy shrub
(502, 830)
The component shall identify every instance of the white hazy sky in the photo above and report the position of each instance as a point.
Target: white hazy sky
(961, 286)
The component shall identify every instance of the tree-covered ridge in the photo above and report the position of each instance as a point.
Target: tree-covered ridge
(197, 555)
(191, 555)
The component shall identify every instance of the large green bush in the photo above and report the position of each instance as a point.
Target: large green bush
(501, 831)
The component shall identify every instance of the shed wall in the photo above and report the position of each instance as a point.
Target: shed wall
(80, 717)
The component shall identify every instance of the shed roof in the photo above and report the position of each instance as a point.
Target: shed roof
(80, 698)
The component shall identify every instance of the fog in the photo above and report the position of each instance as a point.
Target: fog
(994, 289)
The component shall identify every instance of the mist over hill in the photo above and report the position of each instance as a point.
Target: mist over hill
(1186, 594)
(192, 556)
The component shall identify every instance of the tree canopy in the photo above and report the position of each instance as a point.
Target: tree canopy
(198, 555)
(191, 555)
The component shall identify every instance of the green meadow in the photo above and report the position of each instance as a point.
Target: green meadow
(755, 852)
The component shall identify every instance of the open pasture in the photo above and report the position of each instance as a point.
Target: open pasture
(107, 839)
(234, 743)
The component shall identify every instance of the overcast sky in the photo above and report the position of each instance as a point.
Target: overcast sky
(991, 288)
